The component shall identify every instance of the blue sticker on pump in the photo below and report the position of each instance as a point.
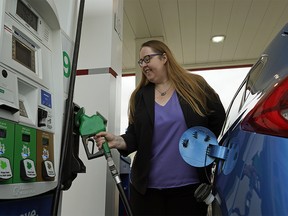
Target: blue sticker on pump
(46, 99)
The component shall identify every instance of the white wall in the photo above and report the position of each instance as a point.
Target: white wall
(128, 85)
(68, 15)
(225, 82)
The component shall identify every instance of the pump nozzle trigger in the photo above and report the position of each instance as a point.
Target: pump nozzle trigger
(89, 146)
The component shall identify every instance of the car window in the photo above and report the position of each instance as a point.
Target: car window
(233, 109)
(253, 83)
(246, 92)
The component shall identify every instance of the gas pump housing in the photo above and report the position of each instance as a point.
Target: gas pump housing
(31, 98)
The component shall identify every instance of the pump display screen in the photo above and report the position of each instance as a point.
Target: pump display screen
(2, 133)
(45, 141)
(23, 54)
(26, 14)
(25, 138)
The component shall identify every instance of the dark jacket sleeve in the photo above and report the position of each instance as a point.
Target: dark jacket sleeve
(216, 116)
(138, 135)
(130, 139)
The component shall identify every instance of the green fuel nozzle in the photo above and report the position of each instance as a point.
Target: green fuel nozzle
(89, 126)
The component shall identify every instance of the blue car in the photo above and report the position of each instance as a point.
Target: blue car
(253, 178)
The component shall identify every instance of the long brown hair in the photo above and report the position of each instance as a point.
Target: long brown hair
(191, 87)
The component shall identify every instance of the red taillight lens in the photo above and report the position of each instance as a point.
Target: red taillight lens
(270, 114)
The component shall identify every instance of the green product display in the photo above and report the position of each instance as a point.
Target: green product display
(6, 151)
(25, 154)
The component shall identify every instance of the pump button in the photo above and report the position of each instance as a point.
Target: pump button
(27, 169)
(5, 169)
(48, 172)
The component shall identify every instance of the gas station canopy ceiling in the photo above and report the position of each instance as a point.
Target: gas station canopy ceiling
(187, 27)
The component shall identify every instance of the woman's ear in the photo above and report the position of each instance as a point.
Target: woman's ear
(164, 57)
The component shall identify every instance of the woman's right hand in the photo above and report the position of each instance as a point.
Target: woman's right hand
(112, 140)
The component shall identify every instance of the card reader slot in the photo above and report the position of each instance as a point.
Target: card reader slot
(13, 110)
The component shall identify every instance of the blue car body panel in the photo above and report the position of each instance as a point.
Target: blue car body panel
(257, 183)
(253, 179)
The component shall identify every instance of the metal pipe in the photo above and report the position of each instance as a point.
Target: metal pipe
(67, 127)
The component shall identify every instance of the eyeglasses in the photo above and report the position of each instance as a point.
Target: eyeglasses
(147, 58)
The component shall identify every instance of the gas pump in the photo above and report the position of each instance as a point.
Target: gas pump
(39, 143)
(31, 105)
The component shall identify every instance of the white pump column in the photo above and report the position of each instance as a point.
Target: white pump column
(97, 88)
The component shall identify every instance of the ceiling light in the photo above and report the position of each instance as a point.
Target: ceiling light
(218, 38)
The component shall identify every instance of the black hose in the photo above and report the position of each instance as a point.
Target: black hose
(124, 199)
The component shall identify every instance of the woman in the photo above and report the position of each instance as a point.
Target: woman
(167, 101)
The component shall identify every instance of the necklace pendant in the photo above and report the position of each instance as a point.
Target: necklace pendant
(163, 94)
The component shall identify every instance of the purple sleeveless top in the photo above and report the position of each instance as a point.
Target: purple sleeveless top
(168, 169)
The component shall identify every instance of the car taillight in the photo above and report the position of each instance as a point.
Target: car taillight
(270, 114)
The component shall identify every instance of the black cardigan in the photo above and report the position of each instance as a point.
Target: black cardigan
(138, 136)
